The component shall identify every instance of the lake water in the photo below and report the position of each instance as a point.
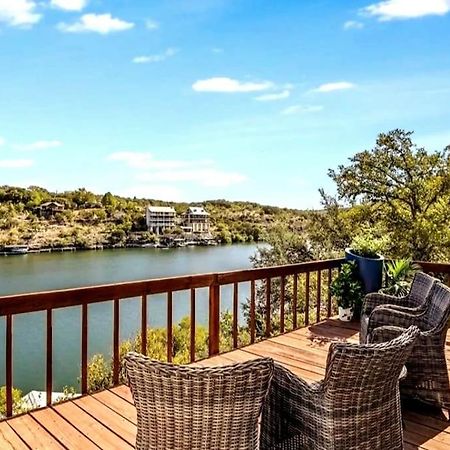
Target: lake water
(47, 271)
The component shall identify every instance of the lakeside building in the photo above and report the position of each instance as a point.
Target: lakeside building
(49, 209)
(196, 220)
(160, 218)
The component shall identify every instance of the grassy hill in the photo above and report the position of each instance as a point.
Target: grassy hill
(89, 220)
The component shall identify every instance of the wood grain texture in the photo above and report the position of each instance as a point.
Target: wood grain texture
(107, 420)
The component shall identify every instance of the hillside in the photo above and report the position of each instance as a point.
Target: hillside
(89, 220)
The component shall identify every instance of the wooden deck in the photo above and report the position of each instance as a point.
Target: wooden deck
(107, 420)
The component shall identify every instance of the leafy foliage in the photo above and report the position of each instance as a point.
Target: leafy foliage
(284, 247)
(17, 401)
(408, 190)
(367, 245)
(100, 369)
(347, 287)
(399, 274)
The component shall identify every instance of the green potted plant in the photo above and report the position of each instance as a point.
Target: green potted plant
(348, 290)
(399, 274)
(365, 250)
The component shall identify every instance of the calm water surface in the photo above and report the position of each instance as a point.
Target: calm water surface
(47, 271)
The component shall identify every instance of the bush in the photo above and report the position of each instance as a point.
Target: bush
(17, 401)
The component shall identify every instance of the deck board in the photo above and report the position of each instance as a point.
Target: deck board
(66, 433)
(107, 419)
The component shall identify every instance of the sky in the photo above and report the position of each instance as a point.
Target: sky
(190, 100)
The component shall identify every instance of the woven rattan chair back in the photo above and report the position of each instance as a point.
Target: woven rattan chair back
(367, 368)
(193, 408)
(356, 406)
(420, 288)
(438, 312)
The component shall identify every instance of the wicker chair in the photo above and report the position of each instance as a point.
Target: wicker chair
(427, 378)
(193, 408)
(414, 301)
(355, 407)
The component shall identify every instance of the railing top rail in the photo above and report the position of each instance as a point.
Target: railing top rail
(439, 267)
(40, 301)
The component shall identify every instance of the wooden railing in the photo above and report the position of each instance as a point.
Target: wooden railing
(313, 309)
(437, 269)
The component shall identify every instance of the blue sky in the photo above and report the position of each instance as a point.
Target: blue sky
(189, 100)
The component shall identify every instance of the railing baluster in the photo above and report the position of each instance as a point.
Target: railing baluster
(307, 299)
(252, 311)
(9, 365)
(214, 317)
(192, 340)
(144, 324)
(49, 355)
(282, 298)
(330, 274)
(268, 289)
(84, 348)
(319, 294)
(116, 329)
(169, 326)
(294, 302)
(235, 314)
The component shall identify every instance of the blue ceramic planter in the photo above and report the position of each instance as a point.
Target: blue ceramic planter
(370, 270)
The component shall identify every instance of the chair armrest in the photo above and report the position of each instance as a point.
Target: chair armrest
(288, 408)
(385, 316)
(374, 299)
(416, 310)
(384, 334)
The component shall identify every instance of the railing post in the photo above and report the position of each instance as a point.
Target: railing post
(214, 317)
(84, 348)
(49, 357)
(116, 348)
(8, 364)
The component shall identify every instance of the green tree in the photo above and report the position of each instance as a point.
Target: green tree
(284, 247)
(408, 187)
(109, 201)
(83, 198)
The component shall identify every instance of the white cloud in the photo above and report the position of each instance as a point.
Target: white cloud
(273, 97)
(69, 5)
(96, 23)
(38, 145)
(230, 85)
(19, 13)
(297, 109)
(2, 141)
(337, 86)
(406, 9)
(353, 25)
(155, 58)
(15, 163)
(200, 172)
(151, 24)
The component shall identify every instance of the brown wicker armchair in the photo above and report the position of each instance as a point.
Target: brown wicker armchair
(193, 408)
(414, 301)
(355, 407)
(427, 378)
